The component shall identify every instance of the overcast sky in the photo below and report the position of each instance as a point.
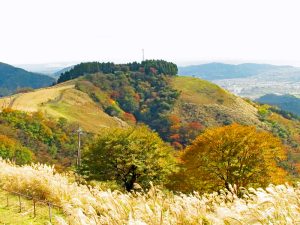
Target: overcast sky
(183, 31)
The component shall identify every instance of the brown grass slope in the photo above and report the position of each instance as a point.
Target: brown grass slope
(63, 101)
(211, 105)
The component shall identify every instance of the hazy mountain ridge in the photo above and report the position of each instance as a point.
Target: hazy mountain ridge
(216, 71)
(61, 71)
(12, 78)
(45, 68)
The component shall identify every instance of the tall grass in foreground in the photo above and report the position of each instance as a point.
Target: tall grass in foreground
(86, 205)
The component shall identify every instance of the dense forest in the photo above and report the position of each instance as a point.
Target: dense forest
(147, 66)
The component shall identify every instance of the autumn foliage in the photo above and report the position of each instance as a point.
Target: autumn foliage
(233, 154)
(14, 151)
(181, 133)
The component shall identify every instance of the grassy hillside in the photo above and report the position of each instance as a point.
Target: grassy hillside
(12, 78)
(10, 214)
(63, 101)
(211, 105)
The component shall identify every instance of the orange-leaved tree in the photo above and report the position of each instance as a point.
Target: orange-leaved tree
(233, 154)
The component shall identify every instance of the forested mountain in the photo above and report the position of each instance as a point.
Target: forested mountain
(216, 71)
(12, 78)
(178, 108)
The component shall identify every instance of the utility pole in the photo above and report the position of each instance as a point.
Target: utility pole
(78, 161)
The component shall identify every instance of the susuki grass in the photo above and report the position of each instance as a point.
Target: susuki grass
(86, 205)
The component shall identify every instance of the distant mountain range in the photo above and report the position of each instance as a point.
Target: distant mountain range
(12, 78)
(45, 68)
(58, 73)
(249, 80)
(216, 71)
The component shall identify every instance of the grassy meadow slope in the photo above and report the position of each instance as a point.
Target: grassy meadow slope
(211, 105)
(63, 100)
(10, 214)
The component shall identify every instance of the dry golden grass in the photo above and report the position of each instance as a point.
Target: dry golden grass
(77, 107)
(199, 91)
(278, 205)
(63, 101)
(31, 102)
(203, 101)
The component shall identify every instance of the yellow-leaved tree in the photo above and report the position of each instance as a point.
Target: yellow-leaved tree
(233, 154)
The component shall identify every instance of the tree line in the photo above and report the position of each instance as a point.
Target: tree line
(147, 66)
(223, 156)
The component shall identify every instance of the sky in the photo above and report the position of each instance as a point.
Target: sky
(181, 31)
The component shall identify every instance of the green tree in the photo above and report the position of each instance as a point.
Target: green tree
(131, 155)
